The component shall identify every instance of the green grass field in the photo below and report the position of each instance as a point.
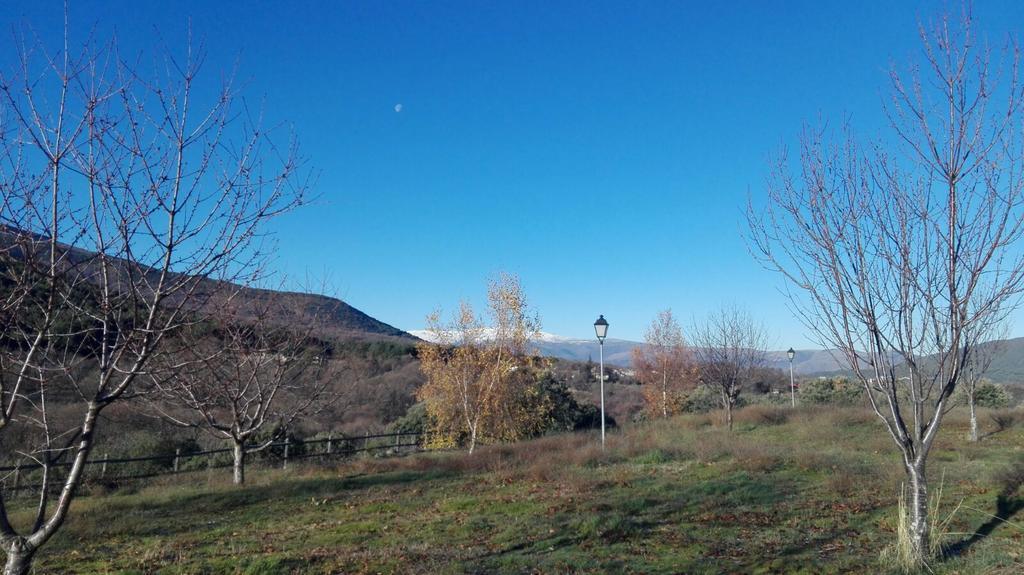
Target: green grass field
(811, 491)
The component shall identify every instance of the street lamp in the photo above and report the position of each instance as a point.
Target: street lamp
(792, 387)
(601, 329)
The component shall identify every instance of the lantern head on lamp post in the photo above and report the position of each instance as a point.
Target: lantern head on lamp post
(601, 329)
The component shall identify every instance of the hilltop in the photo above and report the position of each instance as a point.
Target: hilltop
(336, 319)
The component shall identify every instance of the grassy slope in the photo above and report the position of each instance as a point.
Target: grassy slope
(814, 494)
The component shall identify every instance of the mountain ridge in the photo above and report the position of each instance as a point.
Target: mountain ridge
(1007, 364)
(336, 318)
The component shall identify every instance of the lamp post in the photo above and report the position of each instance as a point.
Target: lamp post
(601, 329)
(792, 387)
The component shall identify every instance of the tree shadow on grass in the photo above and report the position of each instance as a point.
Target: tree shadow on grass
(1006, 508)
(625, 520)
(1009, 502)
(314, 486)
(184, 512)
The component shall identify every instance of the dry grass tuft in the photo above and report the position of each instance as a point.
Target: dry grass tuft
(764, 415)
(1006, 418)
(757, 458)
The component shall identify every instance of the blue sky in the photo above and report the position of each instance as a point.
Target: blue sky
(602, 151)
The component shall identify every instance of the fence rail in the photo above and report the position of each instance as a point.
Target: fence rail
(342, 446)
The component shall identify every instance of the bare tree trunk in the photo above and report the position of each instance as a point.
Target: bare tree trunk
(728, 412)
(472, 438)
(239, 453)
(889, 272)
(120, 184)
(19, 557)
(974, 416)
(664, 390)
(918, 521)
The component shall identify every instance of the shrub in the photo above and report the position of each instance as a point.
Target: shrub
(143, 444)
(773, 398)
(415, 420)
(275, 451)
(702, 400)
(566, 414)
(1005, 418)
(831, 391)
(589, 417)
(991, 395)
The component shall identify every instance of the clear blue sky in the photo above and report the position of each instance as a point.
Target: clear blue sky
(602, 151)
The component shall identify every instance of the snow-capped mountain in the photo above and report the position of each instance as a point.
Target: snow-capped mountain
(428, 335)
(619, 352)
(616, 351)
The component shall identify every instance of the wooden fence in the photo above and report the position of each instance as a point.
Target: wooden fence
(21, 477)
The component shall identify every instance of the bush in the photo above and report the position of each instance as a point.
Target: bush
(702, 400)
(551, 395)
(566, 414)
(341, 444)
(991, 395)
(275, 451)
(1005, 418)
(772, 398)
(415, 420)
(589, 417)
(831, 391)
(142, 444)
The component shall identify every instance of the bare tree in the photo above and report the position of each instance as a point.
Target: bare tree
(664, 364)
(730, 348)
(980, 354)
(897, 257)
(474, 371)
(239, 370)
(122, 193)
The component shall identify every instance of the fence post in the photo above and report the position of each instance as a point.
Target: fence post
(177, 456)
(17, 481)
(103, 468)
(366, 440)
(329, 438)
(287, 443)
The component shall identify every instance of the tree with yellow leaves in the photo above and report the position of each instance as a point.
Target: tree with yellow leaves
(664, 366)
(478, 375)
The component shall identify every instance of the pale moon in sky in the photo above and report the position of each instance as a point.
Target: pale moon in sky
(398, 107)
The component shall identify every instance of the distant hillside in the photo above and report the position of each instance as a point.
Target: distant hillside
(616, 351)
(809, 361)
(1007, 365)
(619, 352)
(338, 319)
(1007, 361)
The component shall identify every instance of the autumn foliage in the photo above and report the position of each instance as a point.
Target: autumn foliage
(664, 366)
(480, 376)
